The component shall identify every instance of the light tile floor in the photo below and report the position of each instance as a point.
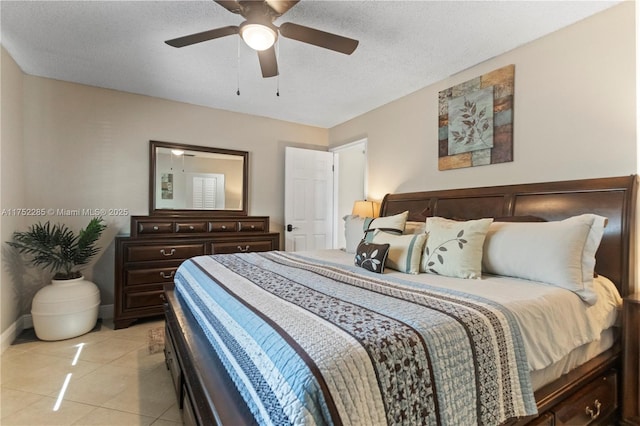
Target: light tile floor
(116, 381)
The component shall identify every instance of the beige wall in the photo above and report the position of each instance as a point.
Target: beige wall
(574, 115)
(88, 148)
(11, 182)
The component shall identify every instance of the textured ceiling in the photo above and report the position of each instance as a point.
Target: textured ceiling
(404, 46)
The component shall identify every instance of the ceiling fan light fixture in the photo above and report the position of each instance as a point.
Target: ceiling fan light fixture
(258, 36)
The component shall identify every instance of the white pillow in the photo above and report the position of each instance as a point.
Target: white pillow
(561, 253)
(387, 223)
(405, 251)
(353, 232)
(454, 248)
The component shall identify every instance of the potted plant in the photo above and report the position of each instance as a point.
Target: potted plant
(68, 307)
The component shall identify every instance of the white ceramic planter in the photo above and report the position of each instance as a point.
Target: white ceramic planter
(65, 309)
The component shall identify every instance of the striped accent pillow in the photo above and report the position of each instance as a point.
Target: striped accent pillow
(388, 223)
(405, 251)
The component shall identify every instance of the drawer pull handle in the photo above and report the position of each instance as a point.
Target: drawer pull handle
(253, 227)
(171, 253)
(165, 276)
(155, 227)
(223, 227)
(244, 250)
(594, 414)
(191, 227)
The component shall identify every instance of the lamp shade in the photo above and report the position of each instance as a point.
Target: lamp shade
(364, 208)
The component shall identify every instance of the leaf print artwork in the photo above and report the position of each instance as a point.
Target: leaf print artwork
(475, 121)
(471, 121)
(475, 124)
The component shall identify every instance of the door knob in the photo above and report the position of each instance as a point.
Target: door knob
(291, 227)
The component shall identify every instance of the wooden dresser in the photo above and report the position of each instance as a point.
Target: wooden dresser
(148, 258)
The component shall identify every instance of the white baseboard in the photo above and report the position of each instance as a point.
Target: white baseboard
(10, 334)
(105, 312)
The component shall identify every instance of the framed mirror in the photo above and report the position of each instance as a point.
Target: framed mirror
(197, 180)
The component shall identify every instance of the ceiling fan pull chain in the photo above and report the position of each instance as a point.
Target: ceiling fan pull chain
(238, 70)
(278, 76)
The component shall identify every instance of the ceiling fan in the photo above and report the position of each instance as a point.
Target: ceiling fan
(259, 32)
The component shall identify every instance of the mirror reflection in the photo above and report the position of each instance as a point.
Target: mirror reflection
(193, 179)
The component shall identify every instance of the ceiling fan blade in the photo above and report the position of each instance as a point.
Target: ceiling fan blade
(203, 36)
(281, 7)
(231, 5)
(268, 62)
(319, 38)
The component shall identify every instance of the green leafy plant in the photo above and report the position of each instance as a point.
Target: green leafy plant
(57, 248)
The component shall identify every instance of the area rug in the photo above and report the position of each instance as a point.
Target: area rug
(156, 340)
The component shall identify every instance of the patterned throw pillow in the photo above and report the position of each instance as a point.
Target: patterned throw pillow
(454, 248)
(404, 251)
(371, 256)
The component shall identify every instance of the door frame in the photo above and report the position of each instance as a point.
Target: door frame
(336, 180)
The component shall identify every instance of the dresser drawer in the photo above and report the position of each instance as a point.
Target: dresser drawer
(190, 227)
(155, 228)
(222, 226)
(150, 276)
(240, 246)
(594, 402)
(163, 252)
(150, 298)
(251, 226)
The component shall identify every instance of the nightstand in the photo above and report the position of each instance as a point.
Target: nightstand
(631, 360)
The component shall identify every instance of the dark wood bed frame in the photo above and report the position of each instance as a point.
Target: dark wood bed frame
(208, 397)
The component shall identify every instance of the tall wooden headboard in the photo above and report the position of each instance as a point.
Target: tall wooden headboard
(614, 198)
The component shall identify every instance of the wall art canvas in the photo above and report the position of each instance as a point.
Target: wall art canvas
(476, 121)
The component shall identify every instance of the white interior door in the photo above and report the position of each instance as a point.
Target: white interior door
(308, 199)
(350, 183)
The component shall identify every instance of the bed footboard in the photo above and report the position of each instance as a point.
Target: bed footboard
(205, 392)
